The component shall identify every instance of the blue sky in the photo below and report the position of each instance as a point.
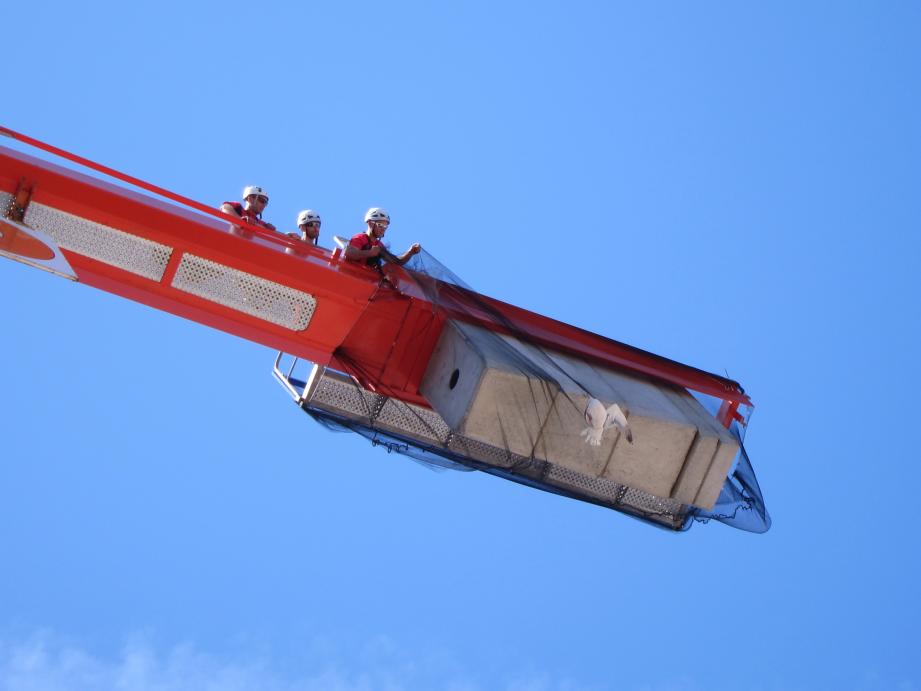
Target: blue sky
(735, 187)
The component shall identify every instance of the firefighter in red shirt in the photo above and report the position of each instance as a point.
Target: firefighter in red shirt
(255, 199)
(367, 248)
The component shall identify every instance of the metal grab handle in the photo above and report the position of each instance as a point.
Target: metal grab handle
(300, 397)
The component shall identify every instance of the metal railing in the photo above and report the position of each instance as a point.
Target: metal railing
(288, 380)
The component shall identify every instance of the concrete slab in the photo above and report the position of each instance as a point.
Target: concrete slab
(561, 440)
(485, 390)
(697, 469)
(531, 401)
(654, 461)
(716, 476)
(662, 433)
(708, 462)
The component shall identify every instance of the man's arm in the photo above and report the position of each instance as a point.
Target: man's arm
(227, 208)
(407, 255)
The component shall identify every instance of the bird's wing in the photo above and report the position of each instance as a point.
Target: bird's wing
(615, 417)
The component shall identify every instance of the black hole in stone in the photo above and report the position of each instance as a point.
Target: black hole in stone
(453, 382)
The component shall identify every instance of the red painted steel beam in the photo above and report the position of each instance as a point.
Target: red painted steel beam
(342, 291)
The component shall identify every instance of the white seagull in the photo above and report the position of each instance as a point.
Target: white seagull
(600, 418)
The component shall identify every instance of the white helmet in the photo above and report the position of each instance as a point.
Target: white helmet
(307, 216)
(376, 214)
(254, 189)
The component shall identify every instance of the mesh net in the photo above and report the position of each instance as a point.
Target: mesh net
(503, 404)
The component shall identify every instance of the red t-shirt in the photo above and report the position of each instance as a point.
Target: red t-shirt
(248, 214)
(362, 241)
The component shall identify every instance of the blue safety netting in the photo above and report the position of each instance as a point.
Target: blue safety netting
(427, 439)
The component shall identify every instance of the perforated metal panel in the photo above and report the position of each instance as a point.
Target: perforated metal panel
(662, 510)
(594, 486)
(486, 453)
(5, 200)
(258, 297)
(342, 396)
(416, 421)
(649, 503)
(102, 243)
(339, 394)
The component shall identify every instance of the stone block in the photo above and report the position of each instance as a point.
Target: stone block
(532, 401)
(715, 478)
(485, 390)
(709, 458)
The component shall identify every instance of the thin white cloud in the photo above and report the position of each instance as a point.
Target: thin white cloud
(44, 663)
(41, 664)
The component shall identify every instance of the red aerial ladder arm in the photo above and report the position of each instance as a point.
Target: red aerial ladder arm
(382, 336)
(342, 295)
